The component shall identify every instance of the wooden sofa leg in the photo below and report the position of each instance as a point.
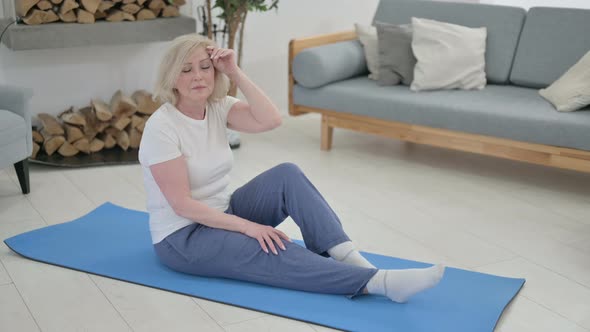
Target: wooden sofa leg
(327, 133)
(22, 171)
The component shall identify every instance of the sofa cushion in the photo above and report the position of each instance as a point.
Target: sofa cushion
(13, 138)
(12, 153)
(503, 25)
(16, 99)
(552, 40)
(502, 111)
(367, 35)
(12, 127)
(571, 91)
(396, 59)
(317, 66)
(449, 56)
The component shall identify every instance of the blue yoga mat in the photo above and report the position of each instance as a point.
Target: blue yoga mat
(115, 242)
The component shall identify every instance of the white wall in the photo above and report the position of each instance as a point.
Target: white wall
(541, 3)
(64, 77)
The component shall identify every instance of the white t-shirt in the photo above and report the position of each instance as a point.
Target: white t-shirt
(169, 134)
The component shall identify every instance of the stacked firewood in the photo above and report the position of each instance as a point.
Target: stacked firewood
(95, 127)
(88, 11)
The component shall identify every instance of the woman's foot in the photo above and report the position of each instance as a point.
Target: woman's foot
(400, 285)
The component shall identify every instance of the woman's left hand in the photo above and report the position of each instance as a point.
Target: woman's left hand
(224, 59)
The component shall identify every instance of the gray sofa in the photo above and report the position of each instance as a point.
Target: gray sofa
(525, 51)
(16, 143)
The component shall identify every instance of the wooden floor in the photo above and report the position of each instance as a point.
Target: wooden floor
(394, 198)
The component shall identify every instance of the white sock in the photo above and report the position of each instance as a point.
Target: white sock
(400, 285)
(346, 252)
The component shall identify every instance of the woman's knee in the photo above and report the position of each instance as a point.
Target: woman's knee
(288, 169)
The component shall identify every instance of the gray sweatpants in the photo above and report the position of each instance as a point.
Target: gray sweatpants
(269, 199)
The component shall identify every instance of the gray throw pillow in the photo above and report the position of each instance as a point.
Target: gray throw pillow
(396, 59)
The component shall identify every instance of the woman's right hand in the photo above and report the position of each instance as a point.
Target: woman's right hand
(267, 236)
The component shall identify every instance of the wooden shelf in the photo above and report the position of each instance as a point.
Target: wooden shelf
(63, 35)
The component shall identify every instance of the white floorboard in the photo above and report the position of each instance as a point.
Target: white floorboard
(393, 198)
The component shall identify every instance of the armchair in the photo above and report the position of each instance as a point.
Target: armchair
(16, 143)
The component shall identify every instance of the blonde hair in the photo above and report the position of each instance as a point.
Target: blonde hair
(183, 47)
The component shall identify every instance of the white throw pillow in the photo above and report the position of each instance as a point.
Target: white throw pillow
(449, 56)
(571, 91)
(368, 37)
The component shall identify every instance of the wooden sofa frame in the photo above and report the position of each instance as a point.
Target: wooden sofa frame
(553, 156)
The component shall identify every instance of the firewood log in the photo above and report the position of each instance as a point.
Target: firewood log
(96, 145)
(101, 126)
(92, 122)
(141, 127)
(68, 17)
(128, 1)
(170, 11)
(109, 141)
(122, 105)
(136, 121)
(145, 14)
(50, 16)
(141, 2)
(67, 150)
(23, 6)
(156, 11)
(99, 15)
(44, 5)
(144, 102)
(73, 133)
(84, 16)
(179, 3)
(37, 138)
(50, 124)
(68, 5)
(115, 15)
(105, 5)
(51, 145)
(36, 149)
(35, 17)
(103, 113)
(111, 131)
(123, 140)
(130, 8)
(82, 145)
(156, 4)
(70, 117)
(120, 123)
(46, 135)
(128, 17)
(90, 5)
(134, 138)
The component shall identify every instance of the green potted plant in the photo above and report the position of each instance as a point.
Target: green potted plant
(233, 13)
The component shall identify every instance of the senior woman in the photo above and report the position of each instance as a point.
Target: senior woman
(199, 227)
